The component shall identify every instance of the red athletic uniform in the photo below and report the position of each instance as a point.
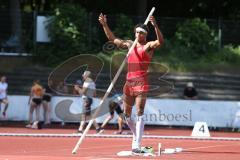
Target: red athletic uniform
(137, 79)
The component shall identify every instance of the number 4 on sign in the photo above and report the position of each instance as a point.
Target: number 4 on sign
(200, 130)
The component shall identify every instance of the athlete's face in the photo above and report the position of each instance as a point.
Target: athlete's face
(141, 36)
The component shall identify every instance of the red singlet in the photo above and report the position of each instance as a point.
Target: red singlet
(138, 62)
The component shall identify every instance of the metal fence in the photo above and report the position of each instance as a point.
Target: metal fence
(18, 35)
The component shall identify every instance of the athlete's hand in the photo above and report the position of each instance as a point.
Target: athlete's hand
(153, 21)
(102, 19)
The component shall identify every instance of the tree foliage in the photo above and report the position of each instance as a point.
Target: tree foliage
(69, 32)
(196, 35)
(124, 27)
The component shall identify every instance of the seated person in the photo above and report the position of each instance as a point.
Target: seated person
(115, 105)
(190, 92)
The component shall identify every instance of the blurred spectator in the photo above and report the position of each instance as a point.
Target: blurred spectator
(78, 84)
(35, 100)
(46, 99)
(3, 95)
(190, 92)
(88, 91)
(62, 88)
(115, 105)
(236, 122)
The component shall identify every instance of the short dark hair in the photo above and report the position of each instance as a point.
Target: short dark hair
(142, 26)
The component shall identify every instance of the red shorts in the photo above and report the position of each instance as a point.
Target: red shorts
(136, 87)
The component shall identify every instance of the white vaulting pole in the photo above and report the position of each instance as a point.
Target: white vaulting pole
(74, 151)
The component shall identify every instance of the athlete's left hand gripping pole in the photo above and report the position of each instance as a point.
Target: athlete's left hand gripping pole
(74, 151)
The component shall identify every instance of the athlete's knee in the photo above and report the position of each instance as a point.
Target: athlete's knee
(128, 111)
(140, 111)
